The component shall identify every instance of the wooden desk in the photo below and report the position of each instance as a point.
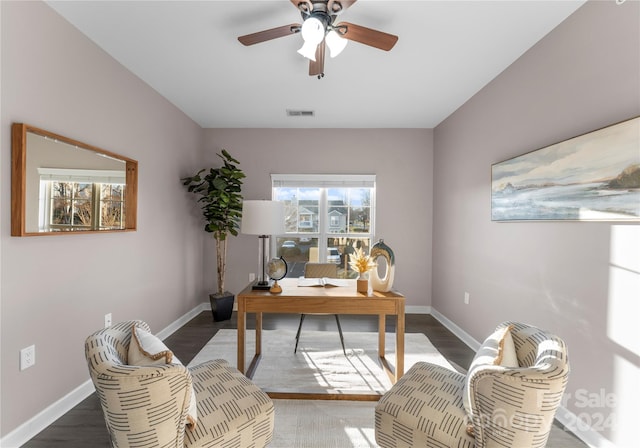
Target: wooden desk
(329, 300)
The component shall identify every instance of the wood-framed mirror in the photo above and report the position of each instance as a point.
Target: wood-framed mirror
(61, 186)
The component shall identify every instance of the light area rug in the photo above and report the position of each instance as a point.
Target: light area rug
(321, 366)
(324, 424)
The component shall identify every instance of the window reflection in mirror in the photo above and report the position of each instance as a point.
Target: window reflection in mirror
(62, 185)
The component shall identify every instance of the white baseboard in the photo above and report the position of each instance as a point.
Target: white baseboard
(453, 328)
(568, 419)
(181, 321)
(417, 310)
(582, 430)
(50, 414)
(40, 421)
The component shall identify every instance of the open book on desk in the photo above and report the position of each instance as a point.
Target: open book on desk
(322, 281)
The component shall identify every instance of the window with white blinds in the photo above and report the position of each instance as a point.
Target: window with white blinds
(326, 218)
(80, 199)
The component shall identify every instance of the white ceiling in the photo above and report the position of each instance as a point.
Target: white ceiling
(188, 51)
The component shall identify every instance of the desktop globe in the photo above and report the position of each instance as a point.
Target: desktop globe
(277, 270)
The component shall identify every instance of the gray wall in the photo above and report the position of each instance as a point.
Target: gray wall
(57, 289)
(402, 160)
(580, 280)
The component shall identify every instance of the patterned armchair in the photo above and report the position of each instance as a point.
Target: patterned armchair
(147, 405)
(504, 406)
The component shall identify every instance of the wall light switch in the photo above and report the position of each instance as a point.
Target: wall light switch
(107, 320)
(466, 298)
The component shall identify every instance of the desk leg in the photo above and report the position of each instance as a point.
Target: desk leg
(258, 334)
(382, 327)
(251, 370)
(242, 329)
(400, 344)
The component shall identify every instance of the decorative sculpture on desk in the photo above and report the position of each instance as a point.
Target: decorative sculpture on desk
(277, 269)
(384, 284)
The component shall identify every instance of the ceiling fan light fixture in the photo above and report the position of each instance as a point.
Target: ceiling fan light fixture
(336, 43)
(319, 32)
(308, 50)
(313, 30)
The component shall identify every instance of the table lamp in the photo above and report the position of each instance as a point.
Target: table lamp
(262, 218)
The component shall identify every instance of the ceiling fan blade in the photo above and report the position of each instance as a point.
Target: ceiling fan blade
(344, 4)
(273, 33)
(316, 68)
(368, 36)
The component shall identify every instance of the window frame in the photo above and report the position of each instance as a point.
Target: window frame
(324, 182)
(74, 176)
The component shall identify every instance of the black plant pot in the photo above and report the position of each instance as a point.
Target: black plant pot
(221, 306)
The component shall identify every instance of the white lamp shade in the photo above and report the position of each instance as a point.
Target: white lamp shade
(312, 30)
(308, 50)
(336, 43)
(312, 34)
(262, 217)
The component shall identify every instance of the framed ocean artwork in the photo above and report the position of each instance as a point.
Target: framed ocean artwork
(592, 177)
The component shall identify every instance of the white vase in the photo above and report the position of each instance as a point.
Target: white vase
(385, 283)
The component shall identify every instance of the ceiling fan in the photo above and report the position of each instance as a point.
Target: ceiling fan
(319, 28)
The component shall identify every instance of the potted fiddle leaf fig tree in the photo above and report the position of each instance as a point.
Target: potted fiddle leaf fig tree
(220, 197)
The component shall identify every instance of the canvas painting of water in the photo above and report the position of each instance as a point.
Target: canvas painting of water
(592, 177)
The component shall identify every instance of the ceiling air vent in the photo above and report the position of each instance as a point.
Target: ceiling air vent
(300, 113)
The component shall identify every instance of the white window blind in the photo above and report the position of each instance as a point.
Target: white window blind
(323, 180)
(82, 175)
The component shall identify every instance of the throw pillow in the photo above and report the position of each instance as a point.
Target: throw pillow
(508, 356)
(497, 350)
(146, 349)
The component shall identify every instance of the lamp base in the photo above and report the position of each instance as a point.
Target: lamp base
(261, 286)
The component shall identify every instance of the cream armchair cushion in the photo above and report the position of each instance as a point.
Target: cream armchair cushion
(146, 349)
(508, 406)
(522, 414)
(147, 405)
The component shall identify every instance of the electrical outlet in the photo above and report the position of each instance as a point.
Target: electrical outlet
(27, 357)
(107, 320)
(252, 277)
(466, 298)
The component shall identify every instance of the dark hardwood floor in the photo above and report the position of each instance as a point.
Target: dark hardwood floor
(83, 426)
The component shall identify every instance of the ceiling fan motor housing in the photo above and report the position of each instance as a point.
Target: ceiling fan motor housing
(335, 6)
(322, 16)
(319, 11)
